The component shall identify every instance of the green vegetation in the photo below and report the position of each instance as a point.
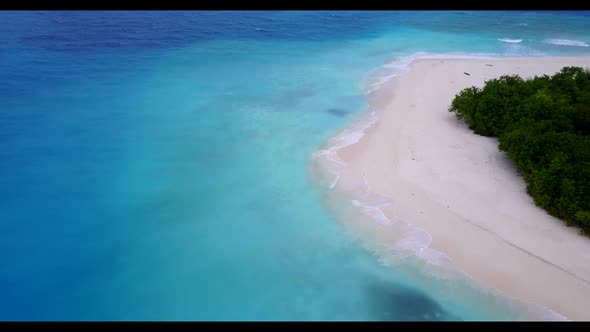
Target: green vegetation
(543, 124)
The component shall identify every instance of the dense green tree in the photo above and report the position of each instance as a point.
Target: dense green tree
(543, 124)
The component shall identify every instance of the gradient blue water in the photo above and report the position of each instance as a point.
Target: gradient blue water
(154, 165)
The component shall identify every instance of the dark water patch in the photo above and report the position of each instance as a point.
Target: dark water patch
(338, 112)
(396, 302)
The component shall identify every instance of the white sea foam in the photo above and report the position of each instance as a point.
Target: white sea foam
(566, 42)
(374, 212)
(510, 41)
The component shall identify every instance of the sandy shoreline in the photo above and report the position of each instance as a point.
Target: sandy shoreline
(464, 192)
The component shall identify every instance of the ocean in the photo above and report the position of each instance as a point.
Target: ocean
(156, 165)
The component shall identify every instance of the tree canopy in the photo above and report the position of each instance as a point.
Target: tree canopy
(543, 124)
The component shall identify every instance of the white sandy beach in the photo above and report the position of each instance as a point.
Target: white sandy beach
(466, 193)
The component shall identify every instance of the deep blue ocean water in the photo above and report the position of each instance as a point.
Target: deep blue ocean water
(154, 165)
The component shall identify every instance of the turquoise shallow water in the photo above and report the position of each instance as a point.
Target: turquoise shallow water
(154, 165)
